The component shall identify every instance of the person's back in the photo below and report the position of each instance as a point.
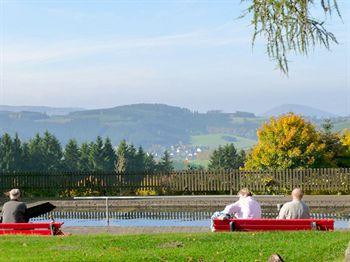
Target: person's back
(250, 208)
(296, 209)
(14, 211)
(245, 207)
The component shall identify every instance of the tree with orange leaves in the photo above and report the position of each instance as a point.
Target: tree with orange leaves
(289, 141)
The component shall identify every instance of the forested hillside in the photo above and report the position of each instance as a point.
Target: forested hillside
(41, 109)
(149, 125)
(141, 124)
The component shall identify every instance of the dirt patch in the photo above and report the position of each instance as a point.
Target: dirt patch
(64, 248)
(173, 244)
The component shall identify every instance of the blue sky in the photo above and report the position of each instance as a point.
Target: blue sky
(194, 54)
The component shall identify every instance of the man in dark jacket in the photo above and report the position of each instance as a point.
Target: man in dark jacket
(13, 211)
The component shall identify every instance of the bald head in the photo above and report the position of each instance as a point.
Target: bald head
(297, 194)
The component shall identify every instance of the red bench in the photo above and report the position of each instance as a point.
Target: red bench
(47, 229)
(273, 224)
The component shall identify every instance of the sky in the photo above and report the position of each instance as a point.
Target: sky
(193, 54)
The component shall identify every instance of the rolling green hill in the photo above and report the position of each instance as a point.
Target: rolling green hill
(141, 124)
(213, 141)
(41, 109)
(342, 124)
(149, 125)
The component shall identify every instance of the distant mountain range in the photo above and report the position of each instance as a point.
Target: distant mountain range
(149, 125)
(300, 110)
(50, 111)
(141, 124)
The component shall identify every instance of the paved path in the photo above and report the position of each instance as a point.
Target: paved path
(132, 230)
(194, 201)
(142, 230)
(204, 201)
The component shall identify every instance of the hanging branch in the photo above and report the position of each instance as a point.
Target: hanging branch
(287, 25)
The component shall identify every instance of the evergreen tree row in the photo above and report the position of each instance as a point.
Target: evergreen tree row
(45, 154)
(226, 157)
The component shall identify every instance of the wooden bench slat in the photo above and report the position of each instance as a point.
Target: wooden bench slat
(30, 228)
(274, 224)
(45, 232)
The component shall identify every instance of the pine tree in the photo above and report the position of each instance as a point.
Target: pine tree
(53, 154)
(25, 157)
(6, 148)
(140, 161)
(2, 155)
(96, 155)
(242, 156)
(84, 159)
(36, 154)
(150, 164)
(109, 156)
(226, 157)
(165, 164)
(122, 157)
(216, 159)
(71, 156)
(132, 160)
(17, 154)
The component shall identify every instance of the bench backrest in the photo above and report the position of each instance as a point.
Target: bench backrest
(273, 224)
(30, 228)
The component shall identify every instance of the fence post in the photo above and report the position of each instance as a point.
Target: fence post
(107, 211)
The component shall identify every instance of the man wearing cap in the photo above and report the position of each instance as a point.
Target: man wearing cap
(13, 211)
(295, 209)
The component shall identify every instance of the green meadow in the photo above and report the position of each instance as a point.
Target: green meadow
(215, 140)
(292, 246)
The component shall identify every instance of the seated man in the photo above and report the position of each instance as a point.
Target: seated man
(13, 211)
(295, 209)
(245, 207)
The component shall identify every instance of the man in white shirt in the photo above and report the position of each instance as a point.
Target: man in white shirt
(246, 207)
(296, 209)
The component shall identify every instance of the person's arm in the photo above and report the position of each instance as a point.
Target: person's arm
(231, 209)
(283, 212)
(307, 212)
(23, 210)
(1, 214)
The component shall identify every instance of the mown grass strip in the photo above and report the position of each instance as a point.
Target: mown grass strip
(292, 246)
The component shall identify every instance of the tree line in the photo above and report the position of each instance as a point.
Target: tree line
(45, 154)
(288, 142)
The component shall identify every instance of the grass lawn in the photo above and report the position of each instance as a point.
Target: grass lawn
(292, 246)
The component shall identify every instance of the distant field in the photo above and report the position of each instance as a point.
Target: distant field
(215, 140)
(244, 120)
(340, 126)
(200, 162)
